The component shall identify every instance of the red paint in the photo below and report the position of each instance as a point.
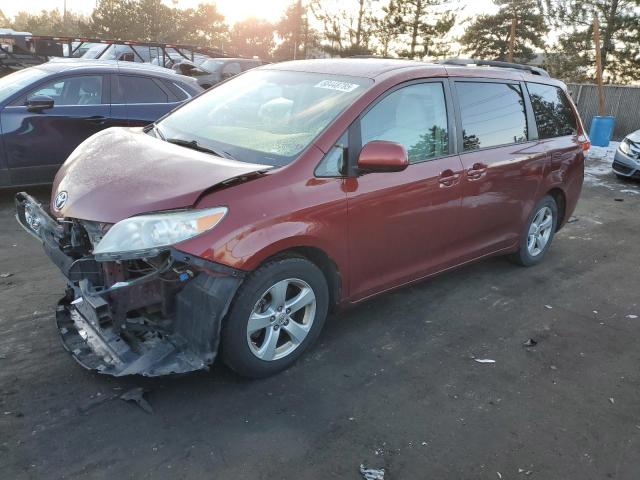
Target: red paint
(380, 229)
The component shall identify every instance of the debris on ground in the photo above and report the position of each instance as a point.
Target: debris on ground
(553, 367)
(530, 343)
(372, 473)
(611, 399)
(632, 316)
(526, 472)
(137, 395)
(93, 402)
(619, 199)
(572, 219)
(484, 360)
(548, 307)
(499, 474)
(6, 275)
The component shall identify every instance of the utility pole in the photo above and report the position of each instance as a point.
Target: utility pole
(512, 37)
(596, 40)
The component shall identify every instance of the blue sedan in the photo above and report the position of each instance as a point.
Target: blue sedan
(48, 110)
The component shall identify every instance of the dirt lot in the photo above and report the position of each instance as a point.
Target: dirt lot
(391, 384)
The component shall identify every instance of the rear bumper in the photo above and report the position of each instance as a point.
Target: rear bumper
(149, 325)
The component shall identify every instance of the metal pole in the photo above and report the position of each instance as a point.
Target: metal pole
(596, 39)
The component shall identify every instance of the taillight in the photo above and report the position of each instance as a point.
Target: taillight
(586, 143)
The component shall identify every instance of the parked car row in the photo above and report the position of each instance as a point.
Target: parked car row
(48, 110)
(239, 220)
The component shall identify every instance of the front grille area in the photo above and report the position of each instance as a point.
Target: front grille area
(621, 168)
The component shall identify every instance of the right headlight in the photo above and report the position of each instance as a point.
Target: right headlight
(146, 235)
(624, 147)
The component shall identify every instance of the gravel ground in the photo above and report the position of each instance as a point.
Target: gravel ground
(392, 383)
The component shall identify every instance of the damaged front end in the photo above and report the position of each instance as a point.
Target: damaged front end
(150, 316)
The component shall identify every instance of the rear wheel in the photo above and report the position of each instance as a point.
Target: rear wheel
(277, 314)
(538, 234)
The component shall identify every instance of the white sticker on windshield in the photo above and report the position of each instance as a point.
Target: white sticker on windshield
(336, 85)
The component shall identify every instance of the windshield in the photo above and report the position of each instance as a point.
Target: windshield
(18, 80)
(212, 65)
(264, 116)
(95, 50)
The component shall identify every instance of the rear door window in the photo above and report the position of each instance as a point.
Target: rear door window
(552, 110)
(492, 114)
(414, 116)
(134, 89)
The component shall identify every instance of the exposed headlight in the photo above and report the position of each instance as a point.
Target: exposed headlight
(624, 147)
(146, 235)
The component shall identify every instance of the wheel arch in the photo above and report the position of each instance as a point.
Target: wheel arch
(560, 198)
(320, 259)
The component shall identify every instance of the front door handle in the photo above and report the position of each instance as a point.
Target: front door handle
(96, 119)
(477, 171)
(448, 178)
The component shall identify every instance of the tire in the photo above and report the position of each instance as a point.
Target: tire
(275, 284)
(531, 253)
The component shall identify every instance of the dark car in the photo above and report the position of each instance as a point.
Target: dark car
(254, 209)
(48, 110)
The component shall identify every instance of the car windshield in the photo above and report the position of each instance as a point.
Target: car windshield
(264, 116)
(212, 65)
(18, 80)
(95, 50)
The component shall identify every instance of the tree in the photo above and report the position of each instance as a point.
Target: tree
(347, 31)
(253, 37)
(488, 36)
(296, 36)
(389, 27)
(204, 25)
(113, 19)
(4, 20)
(574, 56)
(425, 21)
(48, 23)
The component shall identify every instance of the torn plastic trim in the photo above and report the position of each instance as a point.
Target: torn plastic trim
(189, 344)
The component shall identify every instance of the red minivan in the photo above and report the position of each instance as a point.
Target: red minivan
(236, 222)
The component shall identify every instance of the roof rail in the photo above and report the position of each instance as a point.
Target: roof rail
(494, 63)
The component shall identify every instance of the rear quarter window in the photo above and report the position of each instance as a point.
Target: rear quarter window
(552, 110)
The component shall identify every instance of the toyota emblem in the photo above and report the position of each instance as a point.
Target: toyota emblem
(61, 200)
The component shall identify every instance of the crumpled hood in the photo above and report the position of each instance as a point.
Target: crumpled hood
(121, 172)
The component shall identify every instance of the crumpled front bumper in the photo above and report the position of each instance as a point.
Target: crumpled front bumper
(96, 324)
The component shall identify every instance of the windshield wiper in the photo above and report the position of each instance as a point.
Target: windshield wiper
(194, 145)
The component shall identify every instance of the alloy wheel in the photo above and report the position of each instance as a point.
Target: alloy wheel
(540, 231)
(281, 319)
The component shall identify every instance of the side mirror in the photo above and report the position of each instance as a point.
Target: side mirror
(37, 103)
(382, 156)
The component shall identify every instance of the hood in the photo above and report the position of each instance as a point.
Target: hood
(634, 137)
(121, 172)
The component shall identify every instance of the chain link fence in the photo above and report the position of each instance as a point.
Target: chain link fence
(622, 102)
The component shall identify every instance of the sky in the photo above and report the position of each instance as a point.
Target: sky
(233, 10)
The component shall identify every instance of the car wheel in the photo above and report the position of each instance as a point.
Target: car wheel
(538, 234)
(276, 315)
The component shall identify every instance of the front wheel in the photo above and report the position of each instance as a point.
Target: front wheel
(538, 234)
(276, 315)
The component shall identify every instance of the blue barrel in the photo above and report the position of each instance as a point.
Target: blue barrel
(601, 130)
